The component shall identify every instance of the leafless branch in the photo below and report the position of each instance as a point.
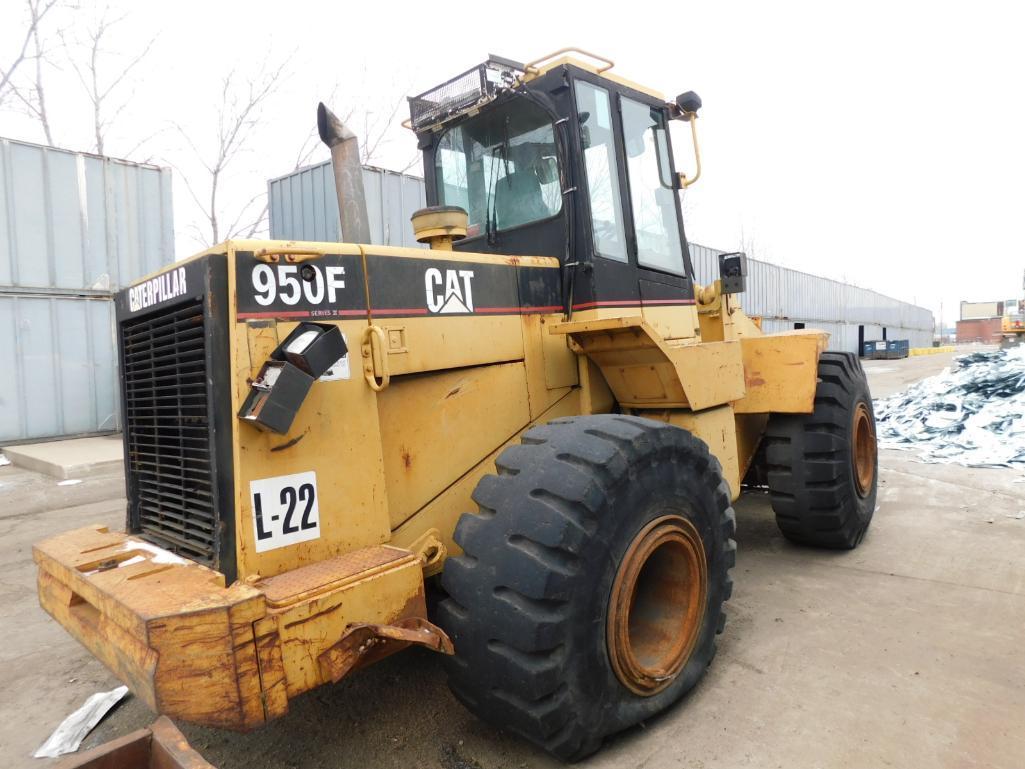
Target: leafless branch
(375, 133)
(302, 158)
(239, 112)
(37, 11)
(91, 74)
(413, 162)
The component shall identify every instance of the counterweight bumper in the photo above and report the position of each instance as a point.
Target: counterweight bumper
(229, 657)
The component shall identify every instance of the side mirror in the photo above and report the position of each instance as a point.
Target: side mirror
(688, 104)
(686, 108)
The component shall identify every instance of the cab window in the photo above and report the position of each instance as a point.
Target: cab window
(652, 196)
(501, 167)
(594, 114)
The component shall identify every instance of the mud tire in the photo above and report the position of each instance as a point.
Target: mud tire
(812, 460)
(528, 600)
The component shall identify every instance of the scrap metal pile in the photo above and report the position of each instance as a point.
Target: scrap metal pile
(972, 414)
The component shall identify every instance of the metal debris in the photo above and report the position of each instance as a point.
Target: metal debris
(69, 735)
(972, 414)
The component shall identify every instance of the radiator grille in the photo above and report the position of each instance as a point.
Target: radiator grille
(167, 431)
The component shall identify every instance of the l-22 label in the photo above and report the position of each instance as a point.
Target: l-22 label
(285, 510)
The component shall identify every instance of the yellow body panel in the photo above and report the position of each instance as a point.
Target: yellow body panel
(780, 372)
(419, 415)
(328, 440)
(645, 371)
(397, 448)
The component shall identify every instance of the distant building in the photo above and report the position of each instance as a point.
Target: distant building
(981, 310)
(984, 330)
(980, 322)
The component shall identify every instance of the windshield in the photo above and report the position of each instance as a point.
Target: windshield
(501, 168)
(652, 198)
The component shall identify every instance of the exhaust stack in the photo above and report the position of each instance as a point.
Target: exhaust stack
(352, 202)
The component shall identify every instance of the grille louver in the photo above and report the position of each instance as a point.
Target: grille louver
(167, 431)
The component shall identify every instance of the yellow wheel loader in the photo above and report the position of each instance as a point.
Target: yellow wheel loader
(542, 415)
(1012, 324)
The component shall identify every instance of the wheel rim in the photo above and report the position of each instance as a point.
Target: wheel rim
(657, 605)
(864, 455)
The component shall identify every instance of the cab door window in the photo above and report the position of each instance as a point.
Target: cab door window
(595, 116)
(652, 196)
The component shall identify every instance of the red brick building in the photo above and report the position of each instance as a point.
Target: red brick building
(985, 330)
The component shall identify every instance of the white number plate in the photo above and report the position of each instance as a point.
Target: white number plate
(285, 510)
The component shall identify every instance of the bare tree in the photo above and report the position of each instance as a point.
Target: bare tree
(100, 87)
(240, 110)
(239, 116)
(33, 97)
(37, 11)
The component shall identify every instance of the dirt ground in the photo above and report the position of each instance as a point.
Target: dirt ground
(905, 652)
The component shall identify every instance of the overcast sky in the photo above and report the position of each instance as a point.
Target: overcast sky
(881, 143)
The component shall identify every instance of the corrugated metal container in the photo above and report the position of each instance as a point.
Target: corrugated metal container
(785, 297)
(304, 206)
(73, 229)
(60, 359)
(75, 222)
(979, 310)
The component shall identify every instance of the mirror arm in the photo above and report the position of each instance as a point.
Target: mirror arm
(692, 118)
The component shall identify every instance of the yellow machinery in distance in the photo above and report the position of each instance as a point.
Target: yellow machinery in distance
(309, 428)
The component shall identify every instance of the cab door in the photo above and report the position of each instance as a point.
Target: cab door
(640, 254)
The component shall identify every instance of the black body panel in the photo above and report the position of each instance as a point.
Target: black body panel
(405, 287)
(329, 286)
(173, 353)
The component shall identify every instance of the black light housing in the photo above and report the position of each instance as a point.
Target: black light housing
(733, 272)
(275, 396)
(312, 348)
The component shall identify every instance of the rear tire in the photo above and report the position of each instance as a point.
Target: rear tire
(595, 530)
(823, 467)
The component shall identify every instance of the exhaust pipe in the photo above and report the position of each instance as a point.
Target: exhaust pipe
(352, 201)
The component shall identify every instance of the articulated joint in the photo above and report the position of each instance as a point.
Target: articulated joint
(709, 298)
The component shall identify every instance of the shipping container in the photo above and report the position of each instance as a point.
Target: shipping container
(303, 206)
(76, 223)
(981, 310)
(74, 228)
(58, 356)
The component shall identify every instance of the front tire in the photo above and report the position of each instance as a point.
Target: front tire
(823, 467)
(591, 586)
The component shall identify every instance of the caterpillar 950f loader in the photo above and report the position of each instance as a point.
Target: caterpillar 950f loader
(543, 408)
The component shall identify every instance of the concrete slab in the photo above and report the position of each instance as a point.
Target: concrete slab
(76, 458)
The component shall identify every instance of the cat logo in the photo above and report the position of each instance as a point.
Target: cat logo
(451, 293)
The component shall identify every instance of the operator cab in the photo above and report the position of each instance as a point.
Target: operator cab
(562, 160)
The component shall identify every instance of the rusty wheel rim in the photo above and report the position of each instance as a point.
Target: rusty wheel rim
(657, 605)
(863, 457)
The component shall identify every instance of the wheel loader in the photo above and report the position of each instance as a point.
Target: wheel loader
(541, 416)
(1012, 324)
